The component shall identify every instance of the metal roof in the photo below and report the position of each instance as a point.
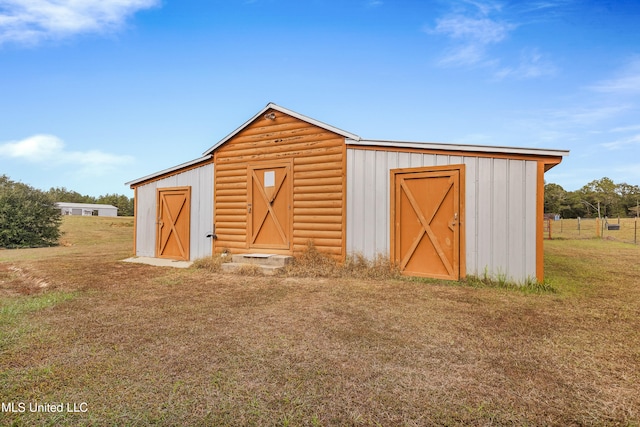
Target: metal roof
(84, 205)
(169, 170)
(459, 147)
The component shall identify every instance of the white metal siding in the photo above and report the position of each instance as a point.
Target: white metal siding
(500, 208)
(201, 182)
(107, 212)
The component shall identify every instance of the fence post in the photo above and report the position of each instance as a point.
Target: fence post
(597, 227)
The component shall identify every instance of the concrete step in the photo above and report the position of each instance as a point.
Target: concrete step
(269, 264)
(235, 267)
(262, 259)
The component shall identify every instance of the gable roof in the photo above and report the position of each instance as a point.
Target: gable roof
(272, 106)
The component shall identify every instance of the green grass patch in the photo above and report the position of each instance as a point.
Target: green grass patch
(12, 308)
(529, 287)
(579, 267)
(13, 312)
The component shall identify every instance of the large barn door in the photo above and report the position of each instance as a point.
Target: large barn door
(173, 223)
(426, 221)
(269, 215)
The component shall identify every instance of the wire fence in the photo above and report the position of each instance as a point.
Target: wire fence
(621, 229)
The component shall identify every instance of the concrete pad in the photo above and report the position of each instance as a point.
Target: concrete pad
(159, 262)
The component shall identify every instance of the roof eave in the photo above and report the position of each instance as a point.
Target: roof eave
(138, 181)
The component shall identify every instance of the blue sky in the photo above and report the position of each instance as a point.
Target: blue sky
(95, 93)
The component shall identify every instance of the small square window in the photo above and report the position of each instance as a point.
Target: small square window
(269, 179)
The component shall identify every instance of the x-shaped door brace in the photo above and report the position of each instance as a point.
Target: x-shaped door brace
(426, 228)
(270, 210)
(172, 224)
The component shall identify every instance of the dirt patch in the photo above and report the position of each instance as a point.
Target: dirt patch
(16, 280)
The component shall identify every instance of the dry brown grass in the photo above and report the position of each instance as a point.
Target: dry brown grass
(147, 345)
(211, 264)
(312, 263)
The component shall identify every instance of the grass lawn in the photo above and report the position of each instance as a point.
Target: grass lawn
(131, 344)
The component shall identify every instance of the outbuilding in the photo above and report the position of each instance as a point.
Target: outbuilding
(87, 209)
(282, 179)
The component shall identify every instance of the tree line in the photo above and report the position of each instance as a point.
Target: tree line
(613, 199)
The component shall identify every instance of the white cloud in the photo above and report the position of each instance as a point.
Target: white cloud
(629, 172)
(590, 115)
(31, 21)
(33, 149)
(532, 65)
(627, 81)
(485, 6)
(623, 142)
(630, 128)
(473, 30)
(472, 36)
(474, 27)
(50, 151)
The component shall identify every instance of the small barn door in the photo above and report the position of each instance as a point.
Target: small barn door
(426, 213)
(173, 223)
(270, 196)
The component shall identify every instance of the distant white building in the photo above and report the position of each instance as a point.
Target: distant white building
(86, 209)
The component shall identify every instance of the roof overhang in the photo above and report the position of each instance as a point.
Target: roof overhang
(272, 106)
(168, 171)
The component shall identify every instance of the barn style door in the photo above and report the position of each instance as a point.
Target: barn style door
(426, 214)
(173, 223)
(270, 196)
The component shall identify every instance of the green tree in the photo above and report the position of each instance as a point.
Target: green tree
(61, 194)
(576, 206)
(28, 217)
(603, 192)
(555, 198)
(629, 198)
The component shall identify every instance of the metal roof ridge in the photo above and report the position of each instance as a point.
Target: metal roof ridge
(460, 147)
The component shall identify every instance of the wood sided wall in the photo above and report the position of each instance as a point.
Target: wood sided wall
(319, 182)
